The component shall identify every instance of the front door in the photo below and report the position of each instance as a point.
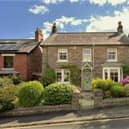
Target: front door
(86, 77)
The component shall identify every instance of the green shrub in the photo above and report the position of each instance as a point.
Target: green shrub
(16, 79)
(58, 93)
(5, 106)
(117, 90)
(5, 82)
(126, 90)
(30, 93)
(49, 76)
(102, 84)
(7, 96)
(125, 70)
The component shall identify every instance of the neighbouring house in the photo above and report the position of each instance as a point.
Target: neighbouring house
(21, 56)
(97, 54)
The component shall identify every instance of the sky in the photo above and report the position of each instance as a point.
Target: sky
(20, 18)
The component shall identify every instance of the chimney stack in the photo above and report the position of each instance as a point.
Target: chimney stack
(120, 27)
(38, 35)
(54, 28)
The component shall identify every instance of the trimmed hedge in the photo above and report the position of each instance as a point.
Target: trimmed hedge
(58, 93)
(30, 93)
(102, 84)
(118, 91)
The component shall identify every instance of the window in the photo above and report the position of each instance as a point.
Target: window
(8, 61)
(112, 73)
(112, 54)
(63, 75)
(87, 55)
(62, 55)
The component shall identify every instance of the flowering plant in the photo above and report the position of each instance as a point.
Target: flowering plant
(125, 80)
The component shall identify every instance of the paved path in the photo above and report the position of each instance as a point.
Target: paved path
(64, 117)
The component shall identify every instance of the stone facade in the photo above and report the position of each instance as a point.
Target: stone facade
(75, 56)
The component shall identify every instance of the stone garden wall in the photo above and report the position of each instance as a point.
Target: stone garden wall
(46, 108)
(99, 102)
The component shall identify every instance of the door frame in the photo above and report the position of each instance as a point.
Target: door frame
(84, 67)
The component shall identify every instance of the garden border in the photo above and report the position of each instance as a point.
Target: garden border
(46, 108)
(99, 102)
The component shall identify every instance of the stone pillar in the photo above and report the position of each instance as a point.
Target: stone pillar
(98, 98)
(75, 100)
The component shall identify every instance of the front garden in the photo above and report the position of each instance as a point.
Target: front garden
(112, 89)
(33, 94)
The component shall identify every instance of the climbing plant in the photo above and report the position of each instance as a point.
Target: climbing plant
(125, 70)
(75, 73)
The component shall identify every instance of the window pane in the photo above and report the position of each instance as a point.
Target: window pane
(8, 61)
(112, 54)
(58, 76)
(63, 53)
(63, 56)
(87, 55)
(114, 75)
(66, 76)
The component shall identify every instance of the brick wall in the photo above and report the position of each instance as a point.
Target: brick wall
(35, 62)
(26, 64)
(20, 65)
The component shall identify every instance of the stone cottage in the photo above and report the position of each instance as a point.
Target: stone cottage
(97, 54)
(21, 56)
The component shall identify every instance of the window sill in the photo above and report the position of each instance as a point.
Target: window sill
(62, 61)
(112, 61)
(7, 68)
(64, 82)
(86, 61)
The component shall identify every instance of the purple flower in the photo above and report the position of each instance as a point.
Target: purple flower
(125, 80)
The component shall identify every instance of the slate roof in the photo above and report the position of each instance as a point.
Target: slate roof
(86, 38)
(18, 45)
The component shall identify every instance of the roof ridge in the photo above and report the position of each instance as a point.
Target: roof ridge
(83, 32)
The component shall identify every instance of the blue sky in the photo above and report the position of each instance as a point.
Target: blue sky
(20, 18)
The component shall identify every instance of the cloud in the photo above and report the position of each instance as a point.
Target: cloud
(38, 9)
(62, 22)
(72, 1)
(112, 2)
(52, 1)
(109, 23)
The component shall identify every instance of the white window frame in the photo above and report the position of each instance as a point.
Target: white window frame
(89, 59)
(112, 50)
(62, 71)
(8, 55)
(109, 70)
(65, 50)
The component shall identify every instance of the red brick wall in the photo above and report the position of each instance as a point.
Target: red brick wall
(1, 62)
(35, 62)
(26, 64)
(20, 65)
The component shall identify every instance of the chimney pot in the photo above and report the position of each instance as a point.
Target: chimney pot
(54, 28)
(38, 35)
(120, 27)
